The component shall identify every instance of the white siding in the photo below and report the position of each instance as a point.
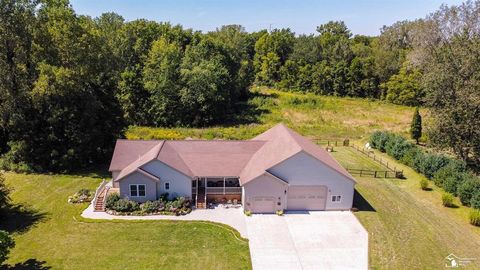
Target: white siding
(265, 186)
(303, 169)
(138, 178)
(180, 184)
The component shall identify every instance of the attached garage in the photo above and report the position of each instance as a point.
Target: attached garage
(306, 197)
(262, 204)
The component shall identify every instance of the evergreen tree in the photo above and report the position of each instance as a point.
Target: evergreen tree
(416, 126)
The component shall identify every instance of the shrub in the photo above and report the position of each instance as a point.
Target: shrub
(150, 207)
(126, 205)
(447, 199)
(475, 201)
(279, 212)
(164, 196)
(248, 213)
(424, 184)
(112, 199)
(412, 158)
(81, 196)
(475, 217)
(397, 146)
(379, 139)
(470, 186)
(431, 163)
(451, 176)
(4, 193)
(6, 243)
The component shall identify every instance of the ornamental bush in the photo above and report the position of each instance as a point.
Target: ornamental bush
(112, 200)
(379, 140)
(126, 205)
(431, 163)
(150, 206)
(451, 176)
(397, 146)
(424, 184)
(412, 158)
(468, 188)
(447, 199)
(475, 217)
(475, 201)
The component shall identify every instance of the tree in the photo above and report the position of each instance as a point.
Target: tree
(162, 81)
(70, 117)
(207, 90)
(4, 193)
(17, 19)
(6, 243)
(416, 126)
(449, 49)
(271, 52)
(405, 87)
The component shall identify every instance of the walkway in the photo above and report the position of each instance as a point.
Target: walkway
(233, 217)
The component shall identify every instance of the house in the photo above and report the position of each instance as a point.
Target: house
(277, 170)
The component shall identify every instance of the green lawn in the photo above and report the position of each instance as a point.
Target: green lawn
(50, 232)
(408, 228)
(315, 116)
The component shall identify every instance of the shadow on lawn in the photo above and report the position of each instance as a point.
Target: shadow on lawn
(247, 113)
(361, 203)
(30, 264)
(19, 218)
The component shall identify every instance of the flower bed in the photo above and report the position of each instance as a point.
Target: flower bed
(82, 196)
(125, 207)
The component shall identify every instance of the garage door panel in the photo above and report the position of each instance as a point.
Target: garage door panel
(306, 197)
(262, 204)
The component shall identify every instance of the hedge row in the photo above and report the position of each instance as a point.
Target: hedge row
(448, 173)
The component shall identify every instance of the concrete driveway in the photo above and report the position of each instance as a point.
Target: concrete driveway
(307, 240)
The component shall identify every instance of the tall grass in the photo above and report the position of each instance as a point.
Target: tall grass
(316, 116)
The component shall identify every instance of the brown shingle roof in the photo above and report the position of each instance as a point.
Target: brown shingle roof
(246, 159)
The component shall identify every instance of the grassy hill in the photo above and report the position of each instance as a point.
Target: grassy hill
(314, 116)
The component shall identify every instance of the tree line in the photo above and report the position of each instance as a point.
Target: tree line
(70, 84)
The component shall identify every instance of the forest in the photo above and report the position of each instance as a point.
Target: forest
(70, 84)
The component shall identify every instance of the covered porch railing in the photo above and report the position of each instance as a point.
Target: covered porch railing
(223, 190)
(217, 185)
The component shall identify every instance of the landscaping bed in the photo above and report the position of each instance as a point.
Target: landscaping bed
(115, 205)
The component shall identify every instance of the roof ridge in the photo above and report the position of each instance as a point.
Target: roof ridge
(159, 150)
(182, 159)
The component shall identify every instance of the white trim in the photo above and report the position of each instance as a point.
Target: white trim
(138, 190)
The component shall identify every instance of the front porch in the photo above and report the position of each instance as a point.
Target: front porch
(207, 190)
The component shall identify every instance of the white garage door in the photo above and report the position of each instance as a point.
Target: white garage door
(263, 204)
(306, 197)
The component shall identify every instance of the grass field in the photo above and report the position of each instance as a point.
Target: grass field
(408, 227)
(50, 233)
(314, 116)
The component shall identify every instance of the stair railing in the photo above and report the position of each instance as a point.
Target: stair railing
(98, 191)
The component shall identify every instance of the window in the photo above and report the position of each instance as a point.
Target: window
(167, 186)
(137, 191)
(336, 198)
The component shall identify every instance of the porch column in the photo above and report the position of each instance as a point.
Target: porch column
(223, 185)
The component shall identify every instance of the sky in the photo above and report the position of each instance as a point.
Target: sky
(302, 16)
